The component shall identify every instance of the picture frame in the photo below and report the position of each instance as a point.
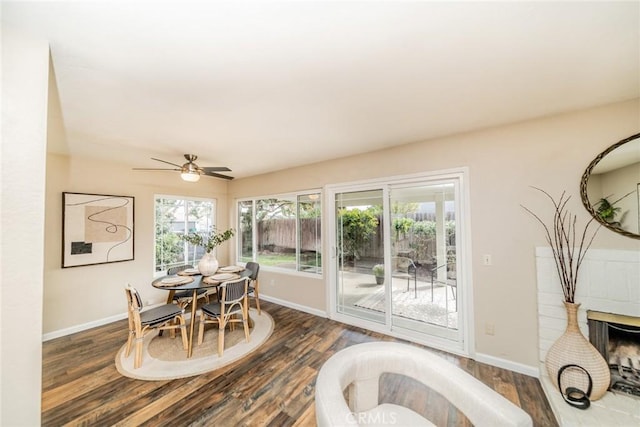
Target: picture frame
(97, 229)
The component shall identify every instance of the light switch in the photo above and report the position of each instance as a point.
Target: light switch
(489, 329)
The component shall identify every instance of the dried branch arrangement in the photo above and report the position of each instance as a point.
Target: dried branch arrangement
(568, 245)
(209, 241)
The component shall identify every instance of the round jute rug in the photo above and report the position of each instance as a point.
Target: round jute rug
(163, 358)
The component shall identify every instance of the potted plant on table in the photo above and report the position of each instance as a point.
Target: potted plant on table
(569, 247)
(208, 264)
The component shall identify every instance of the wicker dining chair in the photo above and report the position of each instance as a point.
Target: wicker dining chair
(166, 316)
(183, 298)
(251, 271)
(233, 303)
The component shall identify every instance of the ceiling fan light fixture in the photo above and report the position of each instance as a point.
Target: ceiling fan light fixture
(190, 176)
(190, 171)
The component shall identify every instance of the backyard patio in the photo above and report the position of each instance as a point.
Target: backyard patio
(427, 304)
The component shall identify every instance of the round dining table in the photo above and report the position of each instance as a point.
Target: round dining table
(185, 281)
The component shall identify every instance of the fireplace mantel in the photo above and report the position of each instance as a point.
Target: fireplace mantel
(613, 318)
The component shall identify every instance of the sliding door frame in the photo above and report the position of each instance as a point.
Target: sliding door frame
(466, 346)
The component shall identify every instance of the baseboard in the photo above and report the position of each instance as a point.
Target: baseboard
(101, 322)
(79, 328)
(295, 306)
(532, 371)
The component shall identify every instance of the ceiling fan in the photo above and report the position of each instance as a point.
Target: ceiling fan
(190, 171)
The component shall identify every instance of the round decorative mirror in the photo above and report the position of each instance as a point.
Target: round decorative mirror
(610, 187)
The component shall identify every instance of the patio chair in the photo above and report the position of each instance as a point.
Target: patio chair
(405, 268)
(450, 283)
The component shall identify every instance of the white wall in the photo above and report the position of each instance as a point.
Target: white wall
(25, 66)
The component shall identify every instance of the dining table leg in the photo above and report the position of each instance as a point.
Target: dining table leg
(194, 308)
(170, 296)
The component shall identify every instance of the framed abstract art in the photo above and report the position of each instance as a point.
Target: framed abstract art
(96, 229)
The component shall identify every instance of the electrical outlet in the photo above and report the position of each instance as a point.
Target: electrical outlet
(489, 328)
(486, 259)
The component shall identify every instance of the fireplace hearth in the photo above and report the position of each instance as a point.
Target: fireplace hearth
(617, 338)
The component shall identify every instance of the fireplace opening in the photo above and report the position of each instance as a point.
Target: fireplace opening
(617, 338)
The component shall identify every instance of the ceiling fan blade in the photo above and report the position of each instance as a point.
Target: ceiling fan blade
(190, 167)
(217, 175)
(216, 169)
(169, 163)
(155, 169)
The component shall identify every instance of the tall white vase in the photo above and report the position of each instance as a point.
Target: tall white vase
(208, 265)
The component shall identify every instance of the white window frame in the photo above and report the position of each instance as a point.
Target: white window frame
(185, 199)
(254, 254)
(464, 347)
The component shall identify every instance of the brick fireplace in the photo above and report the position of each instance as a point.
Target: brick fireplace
(609, 285)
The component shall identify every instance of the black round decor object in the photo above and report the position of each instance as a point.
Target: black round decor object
(572, 395)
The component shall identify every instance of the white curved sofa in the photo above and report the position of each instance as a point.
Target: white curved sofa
(360, 366)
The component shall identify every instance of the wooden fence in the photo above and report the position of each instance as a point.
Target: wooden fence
(279, 235)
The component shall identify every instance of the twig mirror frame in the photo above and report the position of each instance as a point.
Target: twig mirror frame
(583, 188)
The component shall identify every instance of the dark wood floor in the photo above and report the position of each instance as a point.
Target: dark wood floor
(273, 386)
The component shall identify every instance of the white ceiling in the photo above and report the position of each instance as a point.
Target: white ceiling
(262, 86)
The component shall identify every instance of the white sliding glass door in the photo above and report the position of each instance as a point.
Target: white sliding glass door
(359, 235)
(400, 258)
(424, 258)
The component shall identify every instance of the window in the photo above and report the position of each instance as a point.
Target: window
(245, 230)
(175, 216)
(282, 232)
